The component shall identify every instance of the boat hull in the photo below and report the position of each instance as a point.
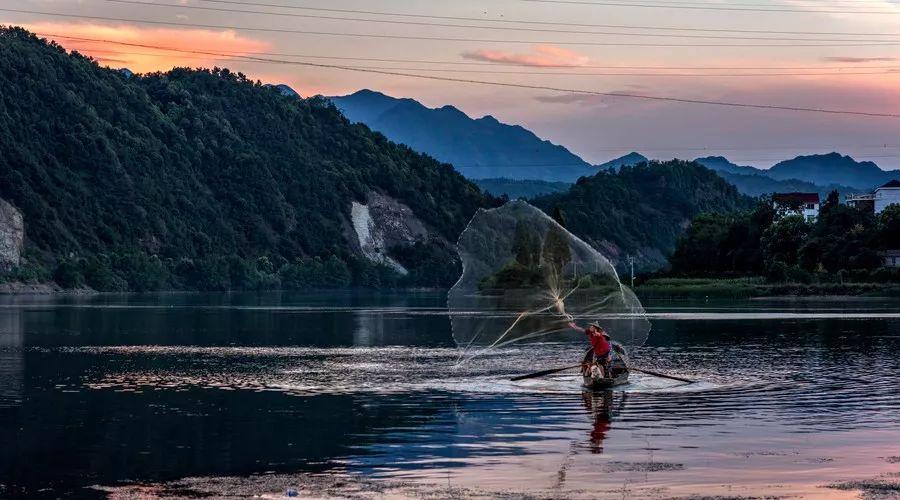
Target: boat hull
(605, 383)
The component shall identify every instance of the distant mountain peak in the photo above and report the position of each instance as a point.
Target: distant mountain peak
(632, 158)
(369, 92)
(831, 168)
(479, 148)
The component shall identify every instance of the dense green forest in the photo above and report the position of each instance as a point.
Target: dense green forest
(201, 179)
(206, 180)
(842, 244)
(642, 209)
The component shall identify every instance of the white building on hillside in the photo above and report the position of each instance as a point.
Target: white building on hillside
(889, 194)
(891, 258)
(805, 204)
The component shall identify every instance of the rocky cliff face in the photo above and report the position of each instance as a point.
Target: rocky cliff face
(383, 223)
(12, 235)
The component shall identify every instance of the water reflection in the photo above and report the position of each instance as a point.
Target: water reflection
(143, 388)
(599, 406)
(12, 361)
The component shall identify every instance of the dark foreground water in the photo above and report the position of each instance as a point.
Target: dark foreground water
(99, 394)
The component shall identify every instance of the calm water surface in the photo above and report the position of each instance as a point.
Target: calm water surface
(116, 390)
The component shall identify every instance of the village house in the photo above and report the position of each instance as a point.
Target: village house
(891, 258)
(884, 196)
(805, 204)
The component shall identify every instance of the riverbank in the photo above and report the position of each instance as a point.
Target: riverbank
(757, 287)
(356, 486)
(19, 288)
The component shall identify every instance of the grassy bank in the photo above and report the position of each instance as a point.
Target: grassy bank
(756, 287)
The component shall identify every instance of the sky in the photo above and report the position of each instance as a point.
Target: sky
(835, 54)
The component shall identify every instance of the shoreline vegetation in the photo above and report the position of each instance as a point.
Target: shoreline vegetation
(754, 287)
(653, 288)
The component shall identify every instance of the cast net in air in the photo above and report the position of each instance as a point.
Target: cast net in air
(525, 277)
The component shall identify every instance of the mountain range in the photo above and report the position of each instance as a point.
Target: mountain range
(481, 148)
(509, 159)
(756, 182)
(832, 168)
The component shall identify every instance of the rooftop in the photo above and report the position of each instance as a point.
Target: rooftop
(892, 184)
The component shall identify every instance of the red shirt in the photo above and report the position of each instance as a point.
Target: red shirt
(601, 345)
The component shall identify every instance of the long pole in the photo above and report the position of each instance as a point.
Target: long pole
(663, 375)
(545, 372)
(557, 370)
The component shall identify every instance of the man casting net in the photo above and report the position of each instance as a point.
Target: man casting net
(526, 278)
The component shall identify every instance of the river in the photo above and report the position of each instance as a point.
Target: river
(360, 394)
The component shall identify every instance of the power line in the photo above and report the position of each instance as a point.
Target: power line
(771, 107)
(472, 26)
(718, 8)
(238, 57)
(432, 38)
(801, 8)
(551, 67)
(538, 23)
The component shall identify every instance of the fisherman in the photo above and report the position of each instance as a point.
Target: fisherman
(600, 350)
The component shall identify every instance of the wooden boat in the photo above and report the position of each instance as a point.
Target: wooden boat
(618, 372)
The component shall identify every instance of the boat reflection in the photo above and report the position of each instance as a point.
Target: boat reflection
(602, 406)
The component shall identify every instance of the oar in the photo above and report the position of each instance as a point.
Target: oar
(663, 375)
(544, 372)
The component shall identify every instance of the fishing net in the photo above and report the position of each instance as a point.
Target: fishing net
(525, 278)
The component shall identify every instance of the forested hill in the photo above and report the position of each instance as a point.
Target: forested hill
(203, 179)
(641, 210)
(482, 148)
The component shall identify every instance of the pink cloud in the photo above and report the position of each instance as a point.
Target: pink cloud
(541, 56)
(145, 59)
(858, 59)
(592, 100)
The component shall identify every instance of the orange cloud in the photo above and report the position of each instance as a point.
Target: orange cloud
(542, 56)
(145, 59)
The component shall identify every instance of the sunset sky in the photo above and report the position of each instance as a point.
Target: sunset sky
(855, 43)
